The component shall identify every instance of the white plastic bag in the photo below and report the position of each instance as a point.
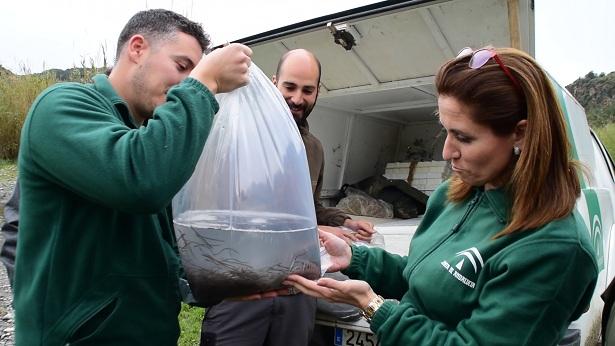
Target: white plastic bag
(245, 220)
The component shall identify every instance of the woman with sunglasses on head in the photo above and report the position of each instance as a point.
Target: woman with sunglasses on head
(500, 257)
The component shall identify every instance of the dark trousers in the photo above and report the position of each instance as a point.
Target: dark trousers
(287, 320)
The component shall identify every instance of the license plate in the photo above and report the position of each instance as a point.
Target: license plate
(348, 337)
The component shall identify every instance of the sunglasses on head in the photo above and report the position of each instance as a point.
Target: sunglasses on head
(480, 57)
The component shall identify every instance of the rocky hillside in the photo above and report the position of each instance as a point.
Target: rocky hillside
(75, 73)
(596, 93)
(71, 74)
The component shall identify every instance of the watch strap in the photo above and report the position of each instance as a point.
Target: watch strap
(371, 308)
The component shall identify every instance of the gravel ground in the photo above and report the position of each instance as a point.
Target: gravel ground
(7, 323)
(8, 172)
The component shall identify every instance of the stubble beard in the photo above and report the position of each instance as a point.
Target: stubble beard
(142, 103)
(303, 120)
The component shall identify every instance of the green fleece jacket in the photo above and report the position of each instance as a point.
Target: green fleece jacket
(97, 259)
(459, 286)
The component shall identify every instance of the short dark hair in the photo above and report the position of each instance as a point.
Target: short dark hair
(283, 58)
(159, 23)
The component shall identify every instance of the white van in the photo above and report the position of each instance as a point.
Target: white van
(378, 98)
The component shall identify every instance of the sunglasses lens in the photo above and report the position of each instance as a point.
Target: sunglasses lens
(464, 52)
(480, 58)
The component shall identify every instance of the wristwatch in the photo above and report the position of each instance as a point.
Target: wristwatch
(372, 307)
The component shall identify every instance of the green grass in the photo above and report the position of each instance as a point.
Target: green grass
(8, 171)
(8, 166)
(607, 137)
(190, 319)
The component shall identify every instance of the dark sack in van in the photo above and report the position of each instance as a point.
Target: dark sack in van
(407, 201)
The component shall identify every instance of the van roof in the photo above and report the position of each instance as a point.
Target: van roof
(381, 58)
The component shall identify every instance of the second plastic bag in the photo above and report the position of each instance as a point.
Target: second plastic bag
(245, 220)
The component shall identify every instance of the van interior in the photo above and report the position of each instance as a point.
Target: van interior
(377, 99)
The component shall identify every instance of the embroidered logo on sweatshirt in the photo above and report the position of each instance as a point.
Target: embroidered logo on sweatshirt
(467, 262)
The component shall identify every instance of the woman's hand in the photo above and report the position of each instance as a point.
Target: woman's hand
(338, 249)
(353, 292)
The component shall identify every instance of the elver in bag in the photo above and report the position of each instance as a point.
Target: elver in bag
(245, 220)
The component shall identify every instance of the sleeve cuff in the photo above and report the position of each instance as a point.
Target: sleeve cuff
(194, 83)
(357, 261)
(382, 314)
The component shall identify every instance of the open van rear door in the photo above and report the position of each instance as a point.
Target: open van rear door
(378, 98)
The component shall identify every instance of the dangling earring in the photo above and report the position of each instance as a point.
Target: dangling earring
(516, 150)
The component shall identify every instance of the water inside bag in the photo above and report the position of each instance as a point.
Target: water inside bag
(236, 253)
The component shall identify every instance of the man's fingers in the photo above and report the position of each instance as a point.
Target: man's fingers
(367, 227)
(351, 236)
(364, 238)
(247, 51)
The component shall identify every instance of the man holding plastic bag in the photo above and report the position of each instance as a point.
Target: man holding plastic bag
(98, 166)
(285, 320)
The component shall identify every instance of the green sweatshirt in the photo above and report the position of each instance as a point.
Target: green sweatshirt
(97, 259)
(459, 286)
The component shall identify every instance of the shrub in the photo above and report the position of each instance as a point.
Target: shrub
(17, 92)
(607, 137)
(16, 95)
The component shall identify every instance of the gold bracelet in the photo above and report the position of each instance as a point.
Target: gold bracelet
(371, 308)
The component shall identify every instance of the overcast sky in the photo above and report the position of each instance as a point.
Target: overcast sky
(572, 37)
